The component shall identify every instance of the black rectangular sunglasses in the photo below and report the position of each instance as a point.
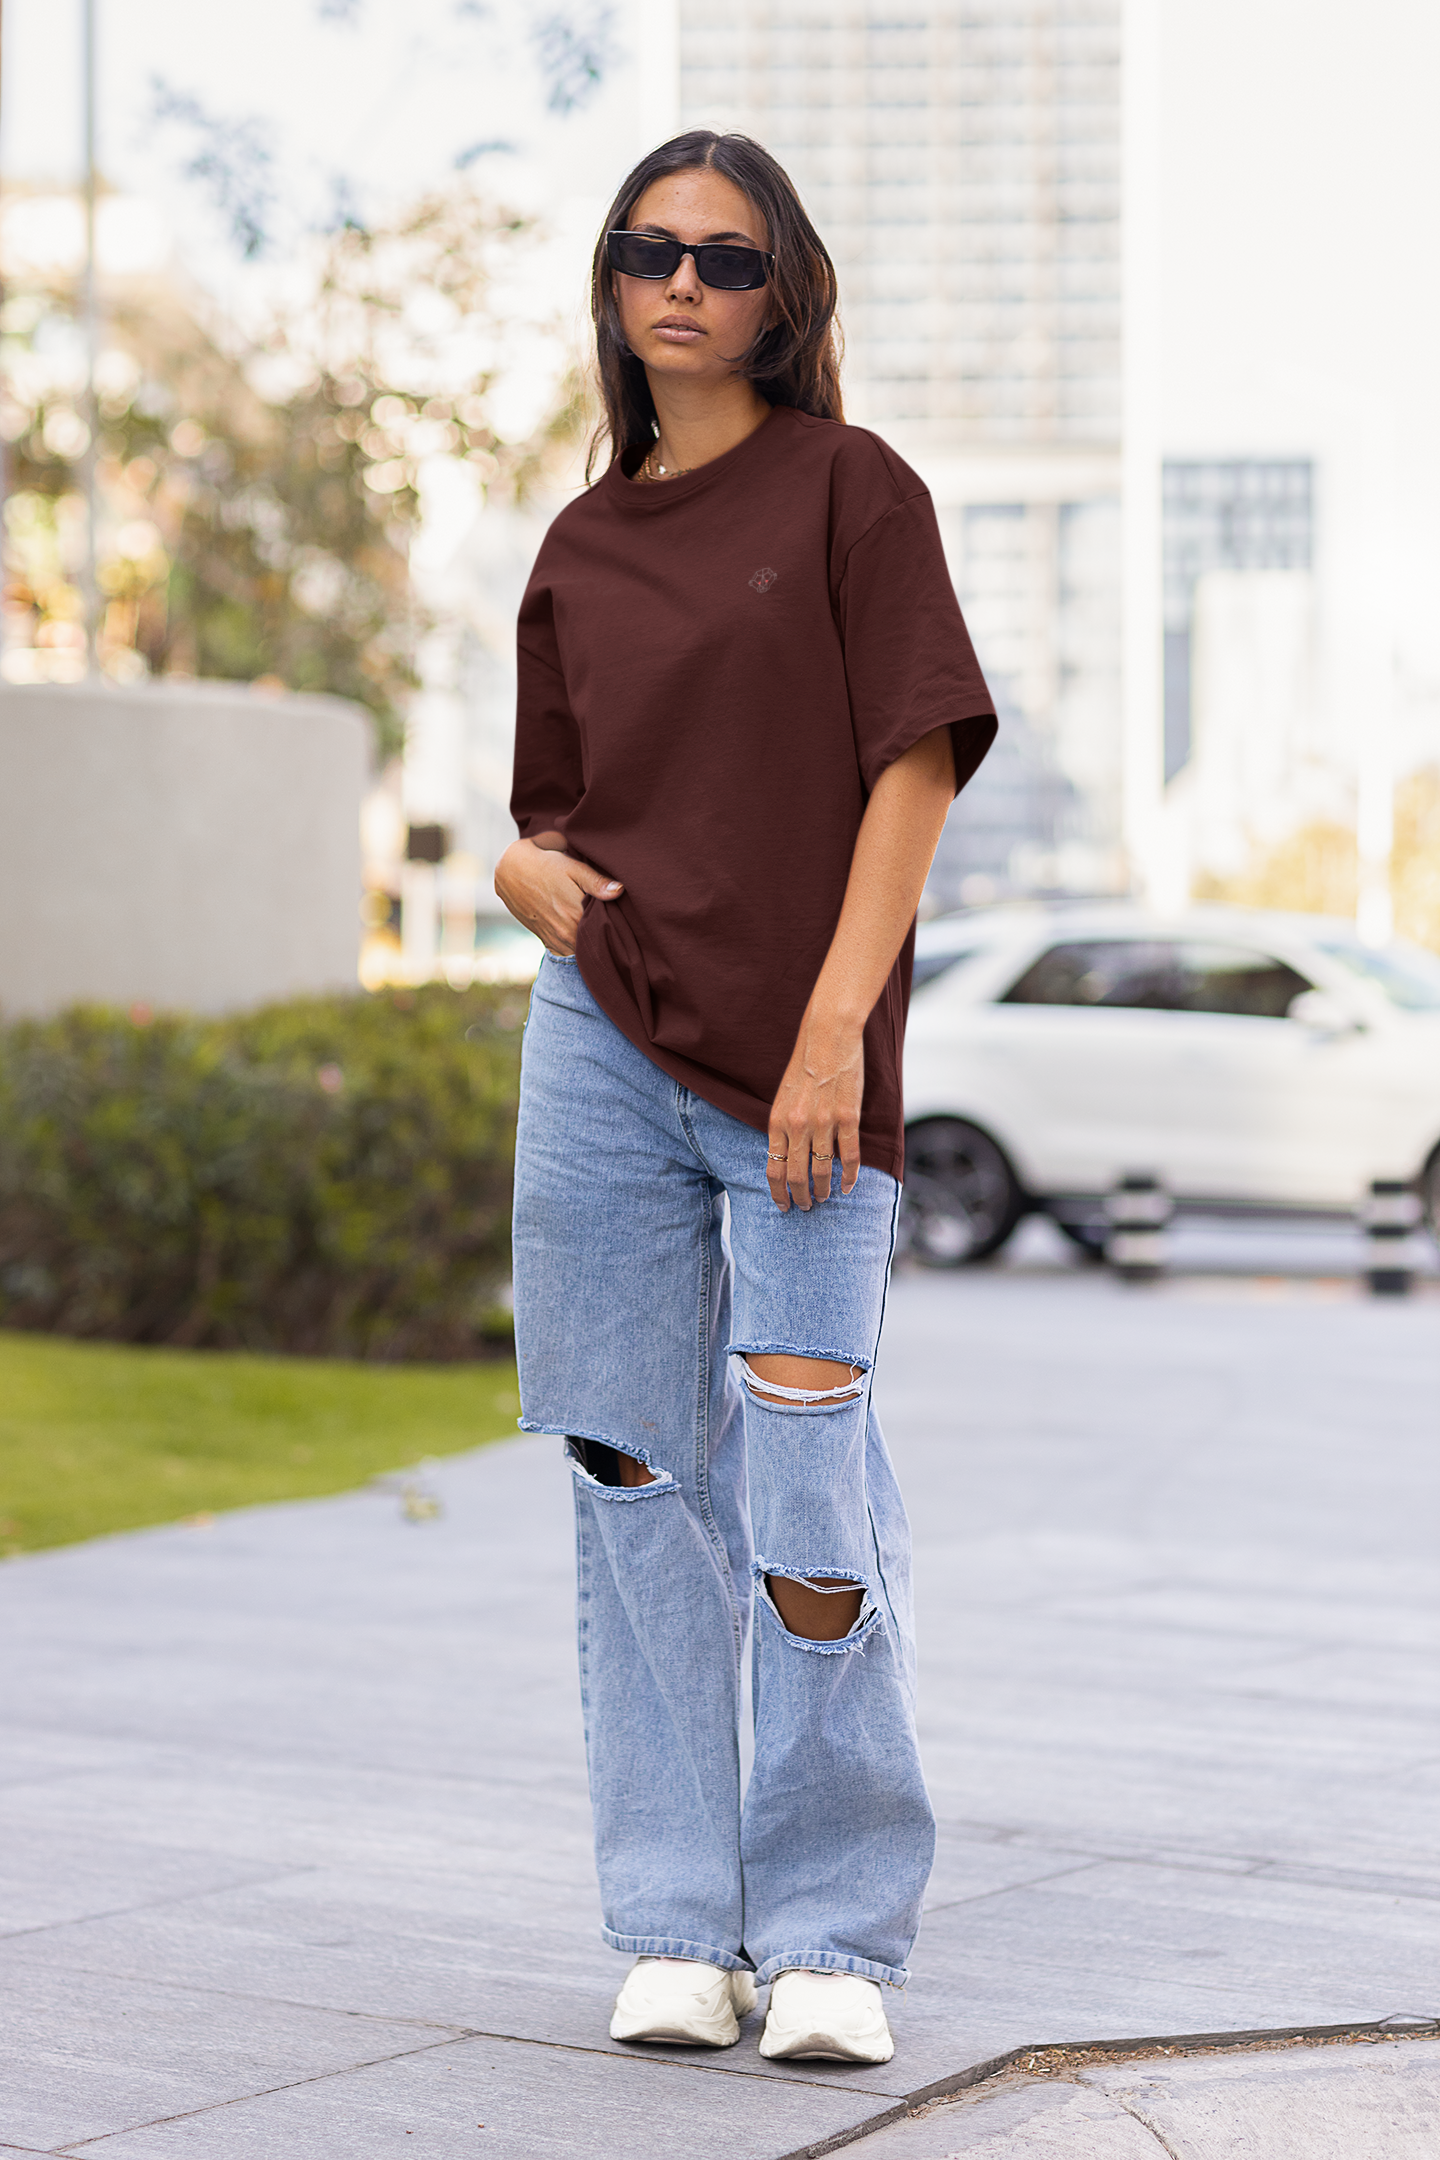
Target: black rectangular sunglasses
(718, 264)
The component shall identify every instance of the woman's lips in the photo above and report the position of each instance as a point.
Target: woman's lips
(678, 333)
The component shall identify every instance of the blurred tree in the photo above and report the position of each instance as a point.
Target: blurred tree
(1415, 875)
(1311, 872)
(575, 49)
(258, 501)
(259, 192)
(233, 160)
(1314, 872)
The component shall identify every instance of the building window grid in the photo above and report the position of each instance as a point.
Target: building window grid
(963, 164)
(1233, 514)
(1019, 221)
(1223, 514)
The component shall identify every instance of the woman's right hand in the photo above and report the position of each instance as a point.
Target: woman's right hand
(545, 889)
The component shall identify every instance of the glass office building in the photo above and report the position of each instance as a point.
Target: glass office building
(962, 162)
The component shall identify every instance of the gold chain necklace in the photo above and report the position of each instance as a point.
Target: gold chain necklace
(653, 470)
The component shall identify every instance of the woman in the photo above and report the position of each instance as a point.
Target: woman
(746, 701)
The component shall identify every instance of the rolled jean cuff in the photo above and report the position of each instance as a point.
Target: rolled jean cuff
(673, 1946)
(894, 1976)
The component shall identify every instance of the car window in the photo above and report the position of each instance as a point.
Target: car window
(929, 965)
(1410, 980)
(1133, 972)
(1237, 979)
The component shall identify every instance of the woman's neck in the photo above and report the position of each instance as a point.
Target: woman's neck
(699, 422)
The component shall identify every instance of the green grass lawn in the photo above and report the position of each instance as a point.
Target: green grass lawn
(97, 1437)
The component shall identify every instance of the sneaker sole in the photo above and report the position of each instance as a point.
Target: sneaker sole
(722, 2032)
(674, 2036)
(822, 2047)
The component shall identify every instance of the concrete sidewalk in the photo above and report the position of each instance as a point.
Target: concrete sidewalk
(293, 1823)
(1342, 2102)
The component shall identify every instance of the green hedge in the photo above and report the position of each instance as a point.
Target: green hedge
(330, 1176)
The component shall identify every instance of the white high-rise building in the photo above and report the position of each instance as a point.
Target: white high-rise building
(962, 161)
(1094, 254)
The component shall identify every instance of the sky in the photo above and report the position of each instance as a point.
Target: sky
(1301, 290)
(1299, 172)
(1301, 162)
(371, 101)
(387, 92)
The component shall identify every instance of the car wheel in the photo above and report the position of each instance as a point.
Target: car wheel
(961, 1199)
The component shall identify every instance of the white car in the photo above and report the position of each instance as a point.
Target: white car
(1250, 1062)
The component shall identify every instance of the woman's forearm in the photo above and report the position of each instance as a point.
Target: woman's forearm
(896, 846)
(815, 1117)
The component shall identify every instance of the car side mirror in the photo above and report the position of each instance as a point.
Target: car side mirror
(1323, 1014)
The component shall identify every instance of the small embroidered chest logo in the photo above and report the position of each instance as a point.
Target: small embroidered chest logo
(764, 579)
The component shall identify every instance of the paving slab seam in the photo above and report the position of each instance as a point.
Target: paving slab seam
(263, 2092)
(451, 2033)
(1392, 2028)
(1353, 1884)
(257, 1758)
(449, 2029)
(1058, 1839)
(453, 2037)
(1405, 1886)
(180, 1897)
(1061, 1840)
(447, 2026)
(1248, 1869)
(688, 2064)
(1353, 1881)
(1030, 1882)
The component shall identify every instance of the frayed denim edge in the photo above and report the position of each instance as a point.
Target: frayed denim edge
(661, 1479)
(895, 1976)
(786, 1349)
(855, 1640)
(675, 1946)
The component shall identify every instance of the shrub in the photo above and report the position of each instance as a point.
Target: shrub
(330, 1176)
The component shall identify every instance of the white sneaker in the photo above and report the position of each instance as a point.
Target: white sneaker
(832, 2015)
(682, 2000)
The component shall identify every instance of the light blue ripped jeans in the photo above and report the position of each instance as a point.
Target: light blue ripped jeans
(648, 1257)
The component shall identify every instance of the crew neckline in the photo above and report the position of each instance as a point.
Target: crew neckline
(648, 496)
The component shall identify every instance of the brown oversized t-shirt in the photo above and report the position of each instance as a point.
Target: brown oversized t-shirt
(714, 672)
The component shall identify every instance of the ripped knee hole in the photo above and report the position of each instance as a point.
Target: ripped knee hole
(610, 1465)
(805, 1605)
(803, 1383)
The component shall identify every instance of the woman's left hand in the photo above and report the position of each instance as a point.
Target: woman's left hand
(815, 1118)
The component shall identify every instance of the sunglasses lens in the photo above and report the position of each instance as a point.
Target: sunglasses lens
(730, 269)
(723, 269)
(641, 255)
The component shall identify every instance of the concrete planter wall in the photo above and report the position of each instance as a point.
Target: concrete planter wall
(190, 846)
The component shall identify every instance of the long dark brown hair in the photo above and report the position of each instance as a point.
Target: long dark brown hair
(795, 362)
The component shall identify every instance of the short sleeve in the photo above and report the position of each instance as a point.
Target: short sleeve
(549, 769)
(909, 662)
